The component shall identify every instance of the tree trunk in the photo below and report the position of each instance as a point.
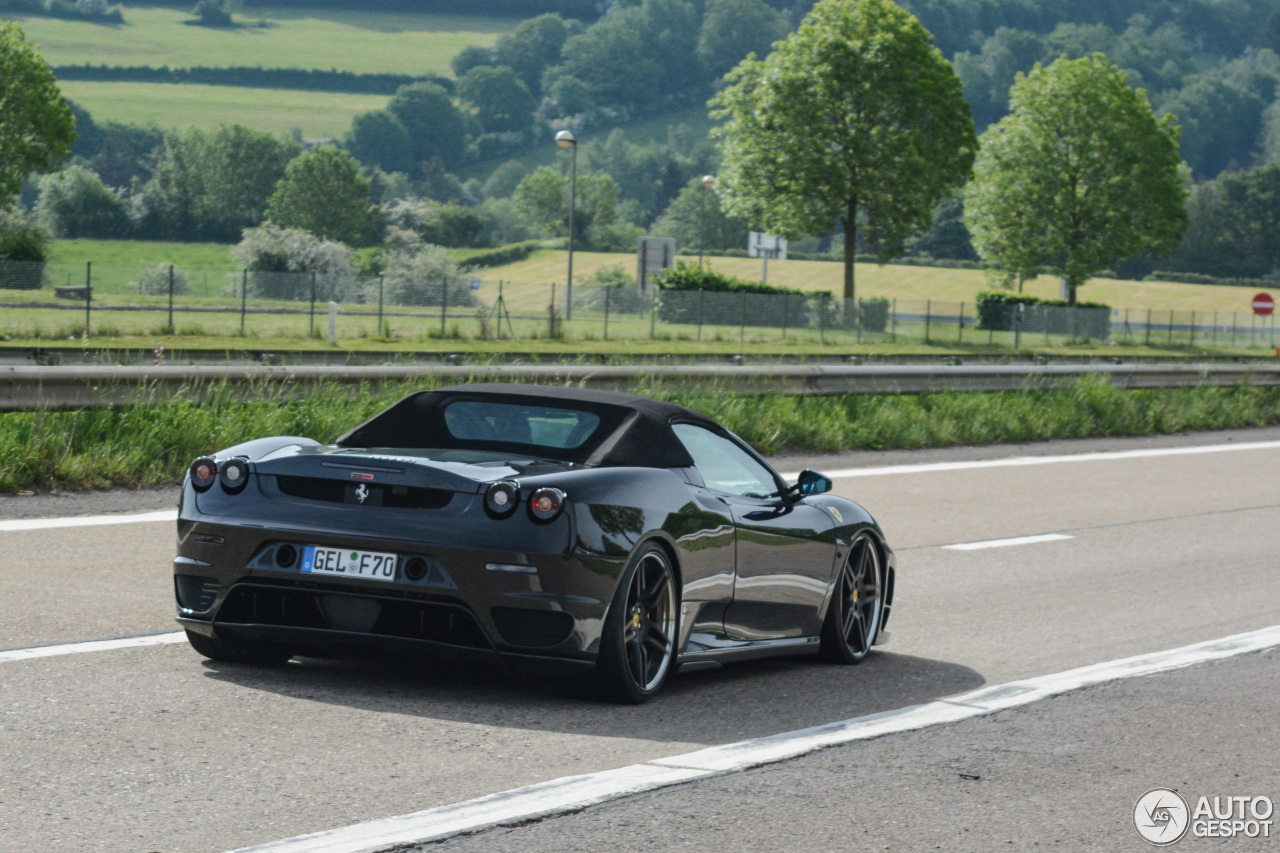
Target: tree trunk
(850, 250)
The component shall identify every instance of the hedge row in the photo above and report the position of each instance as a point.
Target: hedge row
(308, 79)
(500, 256)
(1197, 278)
(998, 311)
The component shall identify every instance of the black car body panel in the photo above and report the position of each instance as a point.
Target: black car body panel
(755, 574)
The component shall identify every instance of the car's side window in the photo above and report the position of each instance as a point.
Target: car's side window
(724, 466)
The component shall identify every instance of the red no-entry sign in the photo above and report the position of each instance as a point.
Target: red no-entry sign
(1263, 304)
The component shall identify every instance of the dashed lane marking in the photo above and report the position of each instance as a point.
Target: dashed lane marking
(1005, 543)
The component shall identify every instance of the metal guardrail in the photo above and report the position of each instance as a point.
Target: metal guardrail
(30, 388)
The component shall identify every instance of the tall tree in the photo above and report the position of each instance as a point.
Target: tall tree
(731, 29)
(501, 99)
(37, 128)
(856, 118)
(1078, 177)
(322, 192)
(435, 125)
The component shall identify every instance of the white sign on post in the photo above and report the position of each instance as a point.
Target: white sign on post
(761, 245)
(766, 246)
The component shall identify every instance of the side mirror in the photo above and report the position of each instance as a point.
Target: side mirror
(813, 483)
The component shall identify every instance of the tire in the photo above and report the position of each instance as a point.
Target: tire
(221, 650)
(857, 605)
(637, 648)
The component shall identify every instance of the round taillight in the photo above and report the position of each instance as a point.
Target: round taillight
(233, 473)
(203, 472)
(546, 503)
(501, 499)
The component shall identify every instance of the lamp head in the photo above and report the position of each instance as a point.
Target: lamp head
(566, 139)
(708, 181)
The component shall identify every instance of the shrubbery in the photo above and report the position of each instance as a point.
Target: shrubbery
(275, 256)
(154, 280)
(23, 250)
(998, 309)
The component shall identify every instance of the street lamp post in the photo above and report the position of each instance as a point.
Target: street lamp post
(566, 139)
(708, 181)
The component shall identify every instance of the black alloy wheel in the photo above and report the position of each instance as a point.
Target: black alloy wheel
(857, 604)
(638, 646)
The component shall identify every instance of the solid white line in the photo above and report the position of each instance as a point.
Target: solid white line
(560, 796)
(92, 646)
(1005, 543)
(1024, 461)
(10, 525)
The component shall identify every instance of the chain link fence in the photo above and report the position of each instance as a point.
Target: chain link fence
(52, 301)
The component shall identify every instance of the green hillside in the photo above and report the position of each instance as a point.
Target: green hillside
(362, 42)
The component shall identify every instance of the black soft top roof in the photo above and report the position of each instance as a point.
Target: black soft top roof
(634, 431)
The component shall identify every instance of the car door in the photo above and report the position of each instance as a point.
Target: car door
(785, 548)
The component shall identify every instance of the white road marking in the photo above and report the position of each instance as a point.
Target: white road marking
(1024, 461)
(1005, 543)
(9, 525)
(572, 793)
(34, 652)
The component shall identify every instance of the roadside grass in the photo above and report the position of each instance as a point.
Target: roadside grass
(363, 41)
(172, 105)
(152, 443)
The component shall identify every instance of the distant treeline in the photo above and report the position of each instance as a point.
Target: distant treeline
(262, 78)
(587, 10)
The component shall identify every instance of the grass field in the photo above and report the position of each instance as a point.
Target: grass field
(131, 253)
(900, 282)
(168, 105)
(361, 42)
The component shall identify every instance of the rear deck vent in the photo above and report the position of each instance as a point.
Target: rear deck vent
(340, 491)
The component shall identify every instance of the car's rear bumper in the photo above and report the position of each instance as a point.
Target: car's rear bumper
(474, 602)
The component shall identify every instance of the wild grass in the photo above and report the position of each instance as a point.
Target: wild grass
(152, 443)
(134, 253)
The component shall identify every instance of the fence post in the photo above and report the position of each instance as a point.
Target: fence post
(380, 328)
(551, 315)
(1017, 327)
(822, 318)
(928, 317)
(653, 314)
(1214, 339)
(893, 334)
(786, 307)
(1233, 330)
(960, 333)
(1193, 328)
(701, 298)
(312, 331)
(88, 295)
(606, 311)
(171, 330)
(444, 304)
(742, 332)
(857, 321)
(1170, 327)
(244, 296)
(1147, 341)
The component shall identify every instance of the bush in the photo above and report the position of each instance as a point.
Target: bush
(612, 288)
(75, 203)
(153, 280)
(997, 310)
(424, 276)
(873, 314)
(23, 250)
(278, 260)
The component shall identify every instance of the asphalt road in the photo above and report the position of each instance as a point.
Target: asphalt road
(156, 749)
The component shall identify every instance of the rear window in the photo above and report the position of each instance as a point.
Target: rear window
(512, 423)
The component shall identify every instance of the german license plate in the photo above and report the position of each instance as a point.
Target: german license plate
(344, 562)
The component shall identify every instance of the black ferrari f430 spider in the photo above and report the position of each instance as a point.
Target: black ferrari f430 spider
(572, 529)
